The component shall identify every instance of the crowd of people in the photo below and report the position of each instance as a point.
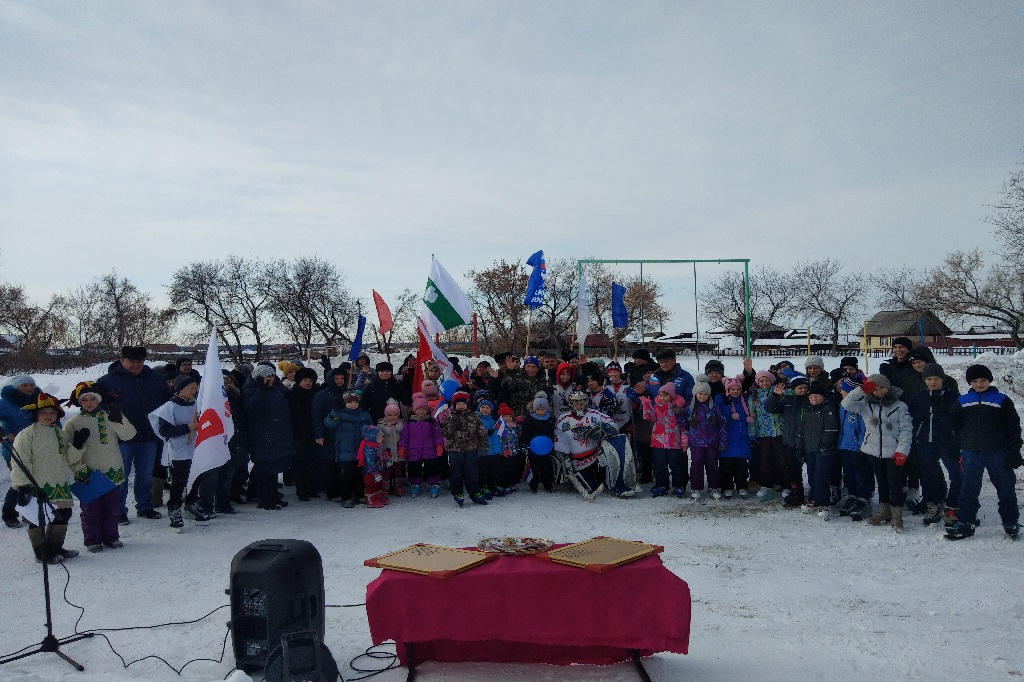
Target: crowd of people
(365, 435)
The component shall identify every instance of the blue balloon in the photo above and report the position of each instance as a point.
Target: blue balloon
(449, 388)
(541, 445)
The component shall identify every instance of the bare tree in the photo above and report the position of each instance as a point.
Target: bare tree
(556, 318)
(829, 296)
(403, 316)
(110, 312)
(772, 296)
(36, 329)
(497, 296)
(905, 289)
(309, 300)
(1008, 218)
(234, 294)
(963, 286)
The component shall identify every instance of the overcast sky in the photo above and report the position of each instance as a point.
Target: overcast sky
(145, 135)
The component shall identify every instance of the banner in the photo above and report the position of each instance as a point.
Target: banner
(535, 287)
(582, 312)
(215, 425)
(385, 322)
(357, 345)
(620, 316)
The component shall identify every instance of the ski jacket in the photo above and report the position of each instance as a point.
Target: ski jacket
(464, 432)
(932, 415)
(347, 425)
(534, 426)
(851, 430)
(668, 431)
(737, 427)
(788, 405)
(420, 439)
(705, 424)
(887, 424)
(766, 424)
(818, 427)
(987, 421)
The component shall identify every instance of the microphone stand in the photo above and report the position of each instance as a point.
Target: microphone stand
(50, 643)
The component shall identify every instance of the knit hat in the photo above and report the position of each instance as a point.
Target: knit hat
(613, 365)
(21, 380)
(133, 352)
(540, 400)
(504, 410)
(714, 366)
(848, 361)
(460, 397)
(429, 389)
(701, 387)
(349, 396)
(385, 367)
(665, 354)
(569, 354)
(978, 372)
(486, 402)
(903, 341)
(44, 400)
(261, 370)
(765, 374)
(642, 354)
(816, 389)
(836, 374)
(85, 388)
(920, 353)
(932, 369)
(393, 408)
(797, 381)
(532, 360)
(305, 373)
(732, 381)
(170, 371)
(419, 401)
(668, 388)
(345, 366)
(182, 381)
(814, 361)
(286, 367)
(847, 385)
(880, 380)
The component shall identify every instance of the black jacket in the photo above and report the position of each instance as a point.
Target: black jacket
(818, 428)
(987, 421)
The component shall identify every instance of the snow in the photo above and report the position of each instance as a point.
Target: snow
(776, 594)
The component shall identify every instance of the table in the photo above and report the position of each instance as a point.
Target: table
(524, 610)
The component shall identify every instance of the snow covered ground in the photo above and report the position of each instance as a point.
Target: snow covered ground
(777, 595)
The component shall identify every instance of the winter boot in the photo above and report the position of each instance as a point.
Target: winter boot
(460, 500)
(1012, 530)
(959, 531)
(933, 514)
(479, 498)
(897, 519)
(375, 501)
(414, 490)
(848, 506)
(658, 491)
(55, 534)
(861, 509)
(949, 517)
(914, 504)
(35, 536)
(435, 491)
(157, 492)
(175, 515)
(835, 494)
(883, 514)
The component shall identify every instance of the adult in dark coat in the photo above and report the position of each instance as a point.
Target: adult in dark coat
(305, 467)
(138, 390)
(271, 443)
(21, 391)
(669, 371)
(377, 392)
(325, 400)
(898, 369)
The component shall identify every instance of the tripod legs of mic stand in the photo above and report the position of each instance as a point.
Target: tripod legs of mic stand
(51, 645)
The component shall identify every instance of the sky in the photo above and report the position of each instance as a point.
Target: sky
(145, 136)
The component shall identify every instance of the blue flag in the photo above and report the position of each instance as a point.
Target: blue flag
(357, 345)
(620, 316)
(535, 287)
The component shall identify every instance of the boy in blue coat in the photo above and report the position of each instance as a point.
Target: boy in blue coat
(347, 424)
(990, 440)
(860, 483)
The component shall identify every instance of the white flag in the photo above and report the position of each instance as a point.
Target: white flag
(444, 303)
(215, 425)
(582, 311)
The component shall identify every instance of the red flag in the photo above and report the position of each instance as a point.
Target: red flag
(422, 355)
(386, 322)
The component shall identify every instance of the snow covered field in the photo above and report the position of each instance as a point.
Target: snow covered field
(777, 595)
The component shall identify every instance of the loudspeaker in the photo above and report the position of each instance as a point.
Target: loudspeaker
(302, 657)
(277, 587)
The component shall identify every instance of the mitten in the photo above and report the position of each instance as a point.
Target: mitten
(679, 401)
(899, 458)
(1014, 460)
(24, 495)
(401, 452)
(325, 362)
(750, 419)
(439, 449)
(81, 435)
(868, 386)
(114, 412)
(82, 475)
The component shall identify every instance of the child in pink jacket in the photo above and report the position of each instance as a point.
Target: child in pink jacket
(668, 440)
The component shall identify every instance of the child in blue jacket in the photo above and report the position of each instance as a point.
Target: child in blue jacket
(347, 422)
(860, 483)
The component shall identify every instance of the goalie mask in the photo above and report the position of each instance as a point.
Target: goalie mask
(579, 402)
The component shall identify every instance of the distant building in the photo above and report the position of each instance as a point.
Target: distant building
(888, 324)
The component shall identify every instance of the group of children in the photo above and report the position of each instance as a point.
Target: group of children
(849, 430)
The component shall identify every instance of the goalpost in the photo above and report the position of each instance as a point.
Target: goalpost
(694, 262)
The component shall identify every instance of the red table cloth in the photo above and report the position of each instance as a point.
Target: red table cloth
(524, 610)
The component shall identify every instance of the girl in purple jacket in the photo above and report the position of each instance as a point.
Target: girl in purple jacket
(707, 431)
(422, 447)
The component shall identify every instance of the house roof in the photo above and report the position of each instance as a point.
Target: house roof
(739, 326)
(905, 323)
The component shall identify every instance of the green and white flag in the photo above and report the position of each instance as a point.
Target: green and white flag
(444, 304)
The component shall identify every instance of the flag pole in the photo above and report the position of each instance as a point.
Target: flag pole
(529, 325)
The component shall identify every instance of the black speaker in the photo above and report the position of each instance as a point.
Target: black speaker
(302, 657)
(277, 587)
